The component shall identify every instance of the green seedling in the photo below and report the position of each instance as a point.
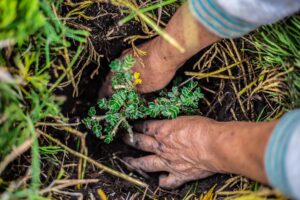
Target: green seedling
(127, 105)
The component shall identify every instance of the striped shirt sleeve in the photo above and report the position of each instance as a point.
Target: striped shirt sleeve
(235, 18)
(282, 156)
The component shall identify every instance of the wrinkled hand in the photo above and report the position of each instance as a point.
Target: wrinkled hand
(156, 72)
(162, 59)
(183, 147)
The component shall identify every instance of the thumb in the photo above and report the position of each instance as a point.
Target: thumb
(170, 182)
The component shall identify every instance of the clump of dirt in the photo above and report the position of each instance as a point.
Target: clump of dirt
(106, 36)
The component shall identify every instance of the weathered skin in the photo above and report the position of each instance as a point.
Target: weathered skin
(191, 148)
(163, 60)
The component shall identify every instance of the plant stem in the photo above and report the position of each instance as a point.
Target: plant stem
(99, 118)
(216, 73)
(15, 153)
(130, 131)
(114, 131)
(152, 24)
(116, 87)
(144, 10)
(97, 164)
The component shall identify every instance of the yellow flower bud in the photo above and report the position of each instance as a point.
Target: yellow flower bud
(136, 75)
(137, 81)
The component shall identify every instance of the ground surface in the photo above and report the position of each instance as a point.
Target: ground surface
(225, 99)
(108, 40)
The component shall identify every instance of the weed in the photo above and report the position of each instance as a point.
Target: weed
(126, 104)
(34, 43)
(30, 33)
(19, 19)
(279, 45)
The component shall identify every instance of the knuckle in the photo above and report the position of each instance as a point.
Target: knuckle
(180, 168)
(161, 148)
(156, 163)
(136, 142)
(144, 142)
(163, 131)
(169, 165)
(137, 163)
(128, 159)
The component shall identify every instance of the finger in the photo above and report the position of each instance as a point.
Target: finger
(142, 142)
(150, 163)
(170, 181)
(149, 127)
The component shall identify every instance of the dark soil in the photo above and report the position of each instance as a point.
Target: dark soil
(108, 40)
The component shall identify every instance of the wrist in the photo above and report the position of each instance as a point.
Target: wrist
(241, 148)
(167, 56)
(187, 31)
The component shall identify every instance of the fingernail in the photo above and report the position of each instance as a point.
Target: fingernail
(127, 139)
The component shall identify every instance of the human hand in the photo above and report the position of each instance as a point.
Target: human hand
(162, 59)
(183, 147)
(191, 148)
(155, 71)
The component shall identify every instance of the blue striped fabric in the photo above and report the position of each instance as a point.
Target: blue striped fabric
(276, 152)
(227, 17)
(213, 17)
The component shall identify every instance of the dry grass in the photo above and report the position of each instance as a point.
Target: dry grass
(66, 171)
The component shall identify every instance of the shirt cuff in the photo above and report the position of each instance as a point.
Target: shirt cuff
(218, 21)
(278, 155)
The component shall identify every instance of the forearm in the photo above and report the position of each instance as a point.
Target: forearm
(267, 151)
(199, 23)
(187, 31)
(241, 148)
